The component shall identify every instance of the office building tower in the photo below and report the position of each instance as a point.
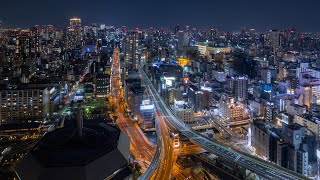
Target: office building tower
(195, 97)
(297, 153)
(252, 33)
(102, 85)
(213, 34)
(35, 43)
(74, 34)
(183, 40)
(177, 28)
(132, 50)
(173, 94)
(207, 97)
(239, 87)
(23, 48)
(268, 75)
(75, 22)
(274, 36)
(264, 140)
(290, 147)
(269, 113)
(23, 103)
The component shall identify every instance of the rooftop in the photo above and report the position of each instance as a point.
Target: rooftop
(63, 148)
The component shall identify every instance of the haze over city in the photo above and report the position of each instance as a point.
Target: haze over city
(227, 15)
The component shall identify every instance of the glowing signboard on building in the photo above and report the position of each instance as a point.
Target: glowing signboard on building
(206, 88)
(146, 107)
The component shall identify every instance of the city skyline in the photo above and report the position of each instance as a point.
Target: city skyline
(229, 16)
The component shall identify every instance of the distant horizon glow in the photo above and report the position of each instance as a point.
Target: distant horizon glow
(225, 16)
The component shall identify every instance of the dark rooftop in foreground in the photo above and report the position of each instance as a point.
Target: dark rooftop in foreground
(98, 152)
(63, 147)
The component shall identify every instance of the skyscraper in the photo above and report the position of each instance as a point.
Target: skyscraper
(195, 97)
(22, 48)
(274, 36)
(213, 33)
(177, 29)
(74, 34)
(35, 40)
(131, 50)
(75, 22)
(183, 40)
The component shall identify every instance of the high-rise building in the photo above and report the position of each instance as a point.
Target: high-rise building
(264, 140)
(102, 85)
(177, 28)
(274, 36)
(25, 103)
(213, 33)
(183, 40)
(297, 154)
(239, 87)
(132, 50)
(195, 95)
(268, 75)
(207, 97)
(74, 34)
(23, 48)
(35, 43)
(290, 147)
(252, 32)
(174, 93)
(75, 22)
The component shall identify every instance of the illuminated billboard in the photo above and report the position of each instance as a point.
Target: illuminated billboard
(146, 102)
(206, 88)
(178, 103)
(146, 107)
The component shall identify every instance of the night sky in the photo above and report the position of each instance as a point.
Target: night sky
(227, 15)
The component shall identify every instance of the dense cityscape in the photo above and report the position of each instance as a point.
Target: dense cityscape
(93, 101)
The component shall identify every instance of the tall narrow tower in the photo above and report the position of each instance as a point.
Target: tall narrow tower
(131, 50)
(74, 34)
